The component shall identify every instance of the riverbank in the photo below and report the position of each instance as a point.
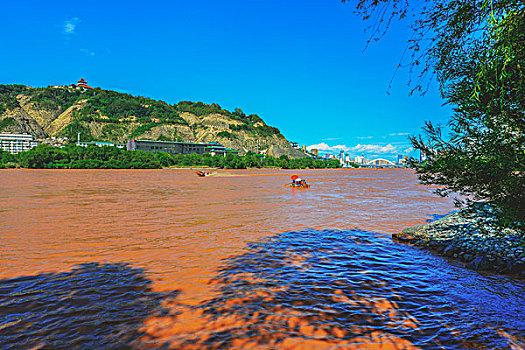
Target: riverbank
(93, 157)
(471, 236)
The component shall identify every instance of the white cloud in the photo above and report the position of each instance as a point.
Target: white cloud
(358, 149)
(399, 134)
(70, 25)
(374, 149)
(409, 150)
(332, 139)
(364, 137)
(87, 52)
(324, 147)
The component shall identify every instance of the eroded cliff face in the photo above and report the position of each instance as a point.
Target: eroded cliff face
(233, 133)
(38, 121)
(213, 127)
(23, 123)
(274, 146)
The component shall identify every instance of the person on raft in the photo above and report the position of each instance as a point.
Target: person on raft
(297, 181)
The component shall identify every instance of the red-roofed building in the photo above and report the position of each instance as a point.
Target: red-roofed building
(83, 84)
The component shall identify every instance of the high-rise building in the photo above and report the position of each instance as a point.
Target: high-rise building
(359, 160)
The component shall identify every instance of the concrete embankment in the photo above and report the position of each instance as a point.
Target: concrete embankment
(474, 238)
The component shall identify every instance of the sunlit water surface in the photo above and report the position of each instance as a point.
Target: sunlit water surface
(165, 259)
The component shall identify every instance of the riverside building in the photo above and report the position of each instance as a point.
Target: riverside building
(214, 148)
(16, 143)
(101, 144)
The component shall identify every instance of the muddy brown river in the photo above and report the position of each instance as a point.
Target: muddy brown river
(163, 259)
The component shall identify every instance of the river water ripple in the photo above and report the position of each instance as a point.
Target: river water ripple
(163, 259)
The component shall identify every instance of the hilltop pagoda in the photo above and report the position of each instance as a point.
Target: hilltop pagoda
(83, 84)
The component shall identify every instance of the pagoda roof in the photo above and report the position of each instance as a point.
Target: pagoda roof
(83, 83)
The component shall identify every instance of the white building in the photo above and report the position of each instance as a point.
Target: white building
(101, 144)
(359, 159)
(16, 143)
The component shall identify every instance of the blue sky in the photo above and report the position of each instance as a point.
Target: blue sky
(300, 65)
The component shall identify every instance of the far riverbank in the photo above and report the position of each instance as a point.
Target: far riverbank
(93, 157)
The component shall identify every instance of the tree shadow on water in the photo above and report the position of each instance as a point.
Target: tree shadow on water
(317, 290)
(93, 306)
(297, 290)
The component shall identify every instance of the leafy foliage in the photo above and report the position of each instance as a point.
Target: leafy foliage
(7, 160)
(484, 155)
(8, 95)
(119, 107)
(225, 134)
(71, 132)
(7, 122)
(56, 99)
(261, 130)
(111, 131)
(94, 157)
(91, 157)
(200, 108)
(477, 50)
(233, 161)
(444, 31)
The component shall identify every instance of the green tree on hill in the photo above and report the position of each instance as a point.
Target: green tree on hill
(117, 111)
(73, 129)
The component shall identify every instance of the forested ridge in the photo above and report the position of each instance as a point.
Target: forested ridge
(106, 115)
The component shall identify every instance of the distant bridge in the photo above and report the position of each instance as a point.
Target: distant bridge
(381, 162)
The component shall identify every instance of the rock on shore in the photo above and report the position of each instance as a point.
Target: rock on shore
(473, 237)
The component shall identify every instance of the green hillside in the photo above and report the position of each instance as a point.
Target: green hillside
(106, 115)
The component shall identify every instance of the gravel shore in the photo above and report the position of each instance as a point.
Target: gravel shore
(474, 238)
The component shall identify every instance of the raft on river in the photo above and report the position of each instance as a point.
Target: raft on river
(297, 182)
(305, 185)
